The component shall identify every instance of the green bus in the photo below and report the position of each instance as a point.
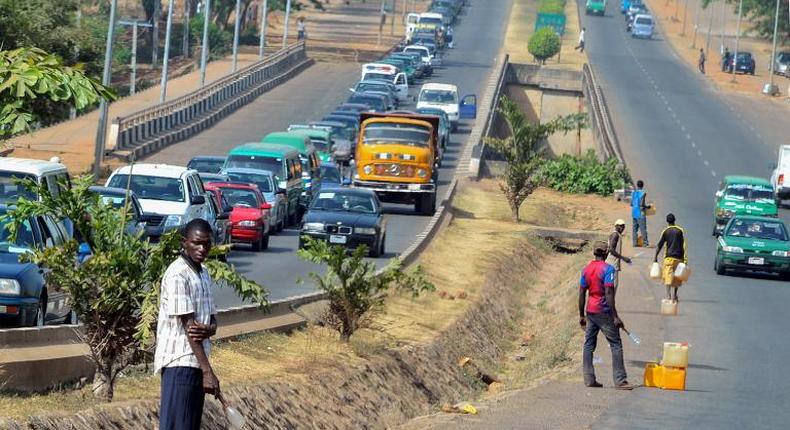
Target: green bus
(307, 155)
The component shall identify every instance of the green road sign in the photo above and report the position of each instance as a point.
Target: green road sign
(553, 20)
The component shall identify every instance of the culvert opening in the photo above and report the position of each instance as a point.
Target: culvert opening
(566, 246)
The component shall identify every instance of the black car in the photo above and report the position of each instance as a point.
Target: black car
(376, 103)
(206, 163)
(346, 216)
(744, 63)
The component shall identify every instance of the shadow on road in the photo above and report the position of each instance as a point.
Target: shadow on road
(640, 363)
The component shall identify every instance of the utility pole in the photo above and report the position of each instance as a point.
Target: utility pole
(236, 37)
(723, 26)
(166, 56)
(205, 48)
(287, 18)
(185, 38)
(381, 23)
(392, 14)
(710, 30)
(696, 23)
(773, 50)
(262, 43)
(134, 24)
(737, 39)
(101, 130)
(685, 14)
(155, 34)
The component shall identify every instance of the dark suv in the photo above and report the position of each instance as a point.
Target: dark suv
(744, 63)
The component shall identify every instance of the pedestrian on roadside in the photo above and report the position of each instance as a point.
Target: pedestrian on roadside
(701, 61)
(725, 60)
(580, 46)
(597, 312)
(301, 33)
(639, 217)
(675, 240)
(186, 322)
(616, 256)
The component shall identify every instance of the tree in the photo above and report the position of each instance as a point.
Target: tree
(28, 75)
(544, 44)
(761, 14)
(353, 285)
(115, 291)
(523, 153)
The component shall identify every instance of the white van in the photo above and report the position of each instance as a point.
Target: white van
(412, 20)
(389, 73)
(780, 177)
(51, 172)
(445, 97)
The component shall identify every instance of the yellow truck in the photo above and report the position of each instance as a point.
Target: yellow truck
(396, 156)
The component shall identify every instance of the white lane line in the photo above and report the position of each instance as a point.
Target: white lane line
(693, 144)
(705, 162)
(699, 153)
(688, 136)
(713, 173)
(683, 128)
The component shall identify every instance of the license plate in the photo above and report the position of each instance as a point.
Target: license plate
(3, 309)
(757, 260)
(336, 238)
(414, 187)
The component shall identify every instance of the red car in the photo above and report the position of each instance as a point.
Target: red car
(250, 220)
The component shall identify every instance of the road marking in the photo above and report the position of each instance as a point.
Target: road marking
(705, 162)
(713, 173)
(693, 144)
(683, 128)
(699, 153)
(688, 136)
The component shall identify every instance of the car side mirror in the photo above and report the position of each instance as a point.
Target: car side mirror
(223, 215)
(198, 200)
(266, 206)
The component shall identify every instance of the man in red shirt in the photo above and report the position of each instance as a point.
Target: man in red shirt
(596, 291)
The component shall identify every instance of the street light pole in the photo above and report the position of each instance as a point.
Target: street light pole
(392, 21)
(723, 27)
(710, 30)
(236, 37)
(185, 36)
(134, 24)
(773, 50)
(166, 56)
(737, 39)
(287, 18)
(381, 23)
(685, 14)
(262, 43)
(696, 23)
(101, 130)
(204, 49)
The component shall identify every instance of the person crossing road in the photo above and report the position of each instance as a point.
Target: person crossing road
(673, 237)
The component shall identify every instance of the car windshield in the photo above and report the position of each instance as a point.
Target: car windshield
(264, 182)
(272, 164)
(24, 236)
(347, 202)
(240, 198)
(10, 191)
(206, 166)
(749, 192)
(320, 144)
(329, 174)
(784, 57)
(757, 229)
(375, 102)
(438, 96)
(374, 75)
(744, 56)
(644, 21)
(151, 187)
(409, 134)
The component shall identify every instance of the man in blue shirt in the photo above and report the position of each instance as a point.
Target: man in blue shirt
(638, 206)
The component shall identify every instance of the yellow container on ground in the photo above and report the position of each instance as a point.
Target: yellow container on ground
(654, 375)
(669, 307)
(667, 378)
(676, 354)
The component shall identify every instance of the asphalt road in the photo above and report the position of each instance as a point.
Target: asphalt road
(314, 93)
(682, 137)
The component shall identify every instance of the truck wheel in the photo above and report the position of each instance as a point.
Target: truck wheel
(428, 204)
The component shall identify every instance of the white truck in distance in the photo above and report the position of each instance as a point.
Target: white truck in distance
(445, 97)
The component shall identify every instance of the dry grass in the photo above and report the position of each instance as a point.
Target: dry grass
(457, 262)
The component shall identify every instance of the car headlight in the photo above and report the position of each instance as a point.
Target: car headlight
(248, 223)
(368, 169)
(174, 220)
(364, 230)
(733, 249)
(422, 173)
(9, 286)
(313, 226)
(781, 253)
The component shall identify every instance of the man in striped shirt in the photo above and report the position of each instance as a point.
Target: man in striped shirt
(185, 324)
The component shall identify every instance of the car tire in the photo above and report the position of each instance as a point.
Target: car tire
(256, 246)
(718, 267)
(427, 204)
(265, 242)
(41, 312)
(378, 250)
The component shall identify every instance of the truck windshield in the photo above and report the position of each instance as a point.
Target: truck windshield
(408, 134)
(749, 192)
(10, 191)
(272, 164)
(382, 76)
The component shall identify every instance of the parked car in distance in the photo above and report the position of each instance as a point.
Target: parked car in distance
(172, 196)
(206, 163)
(117, 198)
(250, 221)
(744, 63)
(52, 173)
(642, 26)
(376, 85)
(330, 176)
(348, 217)
(743, 195)
(25, 298)
(595, 7)
(266, 182)
(782, 63)
(780, 177)
(753, 243)
(445, 97)
(376, 103)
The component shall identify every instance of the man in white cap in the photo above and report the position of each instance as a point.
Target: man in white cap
(616, 256)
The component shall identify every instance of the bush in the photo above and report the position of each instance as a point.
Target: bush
(552, 6)
(544, 44)
(219, 42)
(584, 175)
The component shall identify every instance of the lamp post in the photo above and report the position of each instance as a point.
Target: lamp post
(262, 43)
(685, 14)
(287, 18)
(696, 23)
(236, 37)
(773, 50)
(710, 30)
(134, 24)
(737, 39)
(723, 27)
(101, 130)
(185, 36)
(166, 56)
(205, 48)
(381, 23)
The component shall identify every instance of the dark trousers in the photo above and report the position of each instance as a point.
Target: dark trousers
(640, 224)
(181, 406)
(603, 322)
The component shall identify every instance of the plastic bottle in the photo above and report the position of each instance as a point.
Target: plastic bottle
(236, 419)
(597, 360)
(633, 338)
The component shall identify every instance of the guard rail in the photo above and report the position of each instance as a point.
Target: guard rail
(601, 122)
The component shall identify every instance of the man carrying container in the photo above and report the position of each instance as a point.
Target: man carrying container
(675, 240)
(639, 216)
(597, 312)
(616, 256)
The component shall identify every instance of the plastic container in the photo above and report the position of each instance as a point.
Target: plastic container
(651, 210)
(674, 378)
(655, 271)
(654, 375)
(683, 272)
(675, 354)
(235, 418)
(669, 307)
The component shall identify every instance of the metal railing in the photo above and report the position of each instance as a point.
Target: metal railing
(150, 129)
(600, 121)
(488, 106)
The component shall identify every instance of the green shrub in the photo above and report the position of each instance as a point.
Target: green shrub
(544, 44)
(552, 6)
(220, 42)
(584, 175)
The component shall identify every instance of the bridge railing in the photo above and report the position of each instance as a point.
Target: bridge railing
(600, 121)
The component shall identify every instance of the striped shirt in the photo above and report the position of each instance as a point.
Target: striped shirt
(184, 291)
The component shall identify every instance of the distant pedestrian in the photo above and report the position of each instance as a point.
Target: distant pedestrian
(597, 312)
(701, 61)
(301, 33)
(186, 322)
(639, 217)
(725, 60)
(675, 240)
(580, 46)
(616, 256)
